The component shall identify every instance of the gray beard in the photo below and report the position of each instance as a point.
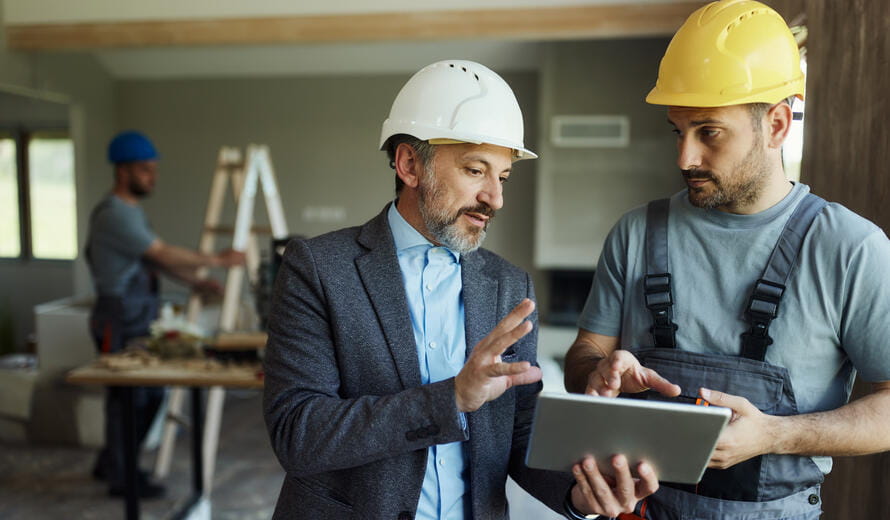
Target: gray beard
(442, 225)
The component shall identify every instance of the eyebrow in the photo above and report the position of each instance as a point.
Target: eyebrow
(699, 122)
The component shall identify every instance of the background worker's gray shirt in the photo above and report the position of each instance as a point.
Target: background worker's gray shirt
(833, 318)
(119, 235)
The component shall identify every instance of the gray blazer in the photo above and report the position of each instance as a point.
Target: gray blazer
(348, 417)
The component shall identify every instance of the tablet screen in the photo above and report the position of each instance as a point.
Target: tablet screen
(676, 439)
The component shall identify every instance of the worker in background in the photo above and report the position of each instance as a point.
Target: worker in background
(125, 256)
(744, 289)
(400, 373)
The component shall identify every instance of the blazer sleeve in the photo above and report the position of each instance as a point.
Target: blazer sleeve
(312, 428)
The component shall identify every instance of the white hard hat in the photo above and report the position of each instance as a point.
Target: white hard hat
(458, 101)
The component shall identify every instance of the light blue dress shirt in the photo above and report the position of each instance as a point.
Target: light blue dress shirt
(432, 279)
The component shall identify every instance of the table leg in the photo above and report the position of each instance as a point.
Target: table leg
(197, 438)
(131, 482)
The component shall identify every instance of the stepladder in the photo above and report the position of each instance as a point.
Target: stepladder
(246, 172)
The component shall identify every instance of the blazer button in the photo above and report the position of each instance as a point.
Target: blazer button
(411, 436)
(432, 429)
(813, 499)
(405, 515)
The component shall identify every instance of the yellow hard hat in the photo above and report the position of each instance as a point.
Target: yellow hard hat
(729, 52)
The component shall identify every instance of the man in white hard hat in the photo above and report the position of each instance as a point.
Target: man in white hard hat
(401, 371)
(744, 289)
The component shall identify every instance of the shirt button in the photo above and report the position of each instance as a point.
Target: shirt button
(441, 462)
(433, 344)
(429, 287)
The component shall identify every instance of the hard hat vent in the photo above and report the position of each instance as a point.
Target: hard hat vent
(465, 70)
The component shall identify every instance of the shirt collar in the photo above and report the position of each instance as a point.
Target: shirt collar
(405, 236)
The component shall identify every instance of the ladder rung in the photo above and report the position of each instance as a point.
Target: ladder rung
(231, 229)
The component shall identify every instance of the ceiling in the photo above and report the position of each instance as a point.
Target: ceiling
(213, 38)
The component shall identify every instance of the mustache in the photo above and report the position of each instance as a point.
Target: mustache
(481, 209)
(698, 175)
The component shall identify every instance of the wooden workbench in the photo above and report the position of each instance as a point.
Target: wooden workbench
(171, 373)
(127, 372)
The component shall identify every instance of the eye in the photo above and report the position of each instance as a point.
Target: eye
(504, 179)
(709, 132)
(475, 172)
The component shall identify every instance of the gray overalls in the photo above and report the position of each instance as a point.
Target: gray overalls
(769, 486)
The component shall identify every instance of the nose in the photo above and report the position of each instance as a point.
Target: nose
(689, 154)
(492, 193)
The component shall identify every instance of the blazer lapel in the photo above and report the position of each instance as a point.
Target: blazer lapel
(382, 278)
(480, 299)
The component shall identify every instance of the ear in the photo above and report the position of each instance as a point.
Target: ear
(119, 171)
(778, 122)
(408, 165)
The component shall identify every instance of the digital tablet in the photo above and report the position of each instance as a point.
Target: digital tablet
(676, 439)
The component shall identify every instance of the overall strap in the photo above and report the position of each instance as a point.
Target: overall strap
(763, 306)
(657, 283)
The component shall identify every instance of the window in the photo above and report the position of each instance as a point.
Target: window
(38, 211)
(10, 237)
(792, 151)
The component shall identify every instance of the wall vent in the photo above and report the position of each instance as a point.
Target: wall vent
(590, 131)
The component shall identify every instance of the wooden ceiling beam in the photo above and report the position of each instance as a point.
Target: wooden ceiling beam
(550, 23)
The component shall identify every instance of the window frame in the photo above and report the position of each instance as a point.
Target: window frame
(22, 136)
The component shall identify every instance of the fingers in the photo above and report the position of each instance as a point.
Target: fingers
(619, 496)
(647, 482)
(583, 478)
(661, 385)
(506, 369)
(520, 373)
(532, 375)
(516, 316)
(738, 405)
(624, 490)
(596, 489)
(606, 379)
(510, 330)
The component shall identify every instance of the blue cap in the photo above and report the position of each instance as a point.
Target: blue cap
(131, 146)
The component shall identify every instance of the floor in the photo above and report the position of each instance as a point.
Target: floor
(43, 482)
(38, 482)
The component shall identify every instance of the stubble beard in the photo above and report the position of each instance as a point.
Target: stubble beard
(443, 225)
(138, 190)
(743, 187)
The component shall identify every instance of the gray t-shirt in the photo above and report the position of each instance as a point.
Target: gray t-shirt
(833, 318)
(119, 235)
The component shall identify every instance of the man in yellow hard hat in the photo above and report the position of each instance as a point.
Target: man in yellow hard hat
(400, 374)
(744, 289)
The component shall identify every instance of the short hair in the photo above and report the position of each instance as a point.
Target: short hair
(758, 110)
(424, 150)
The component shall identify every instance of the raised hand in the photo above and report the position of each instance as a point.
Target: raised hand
(485, 377)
